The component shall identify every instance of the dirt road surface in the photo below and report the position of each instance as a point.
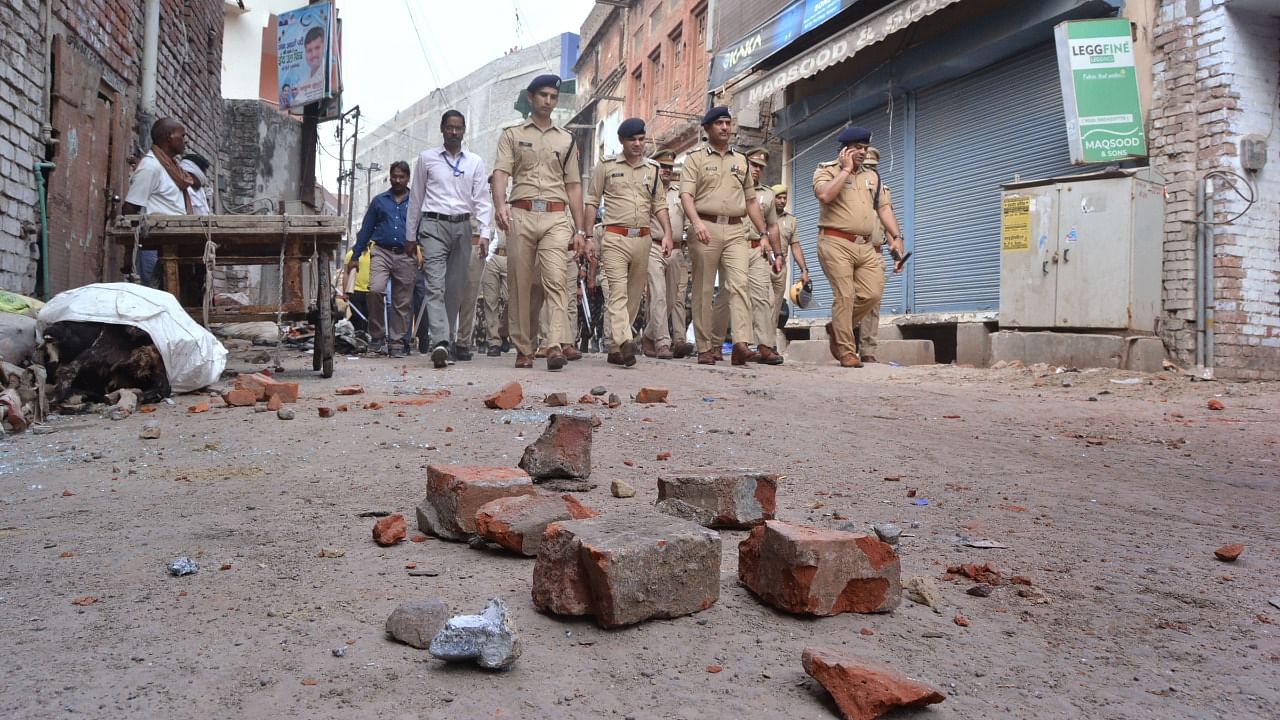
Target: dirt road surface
(1110, 497)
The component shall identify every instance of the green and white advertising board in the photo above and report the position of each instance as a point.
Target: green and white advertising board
(1100, 90)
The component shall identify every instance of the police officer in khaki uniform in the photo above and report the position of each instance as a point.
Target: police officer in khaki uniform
(541, 162)
(765, 265)
(787, 238)
(716, 194)
(493, 288)
(853, 203)
(628, 187)
(668, 274)
(867, 334)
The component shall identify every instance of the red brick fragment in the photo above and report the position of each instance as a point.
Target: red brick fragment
(1216, 404)
(456, 492)
(1229, 553)
(274, 403)
(199, 407)
(517, 523)
(507, 397)
(651, 395)
(239, 397)
(325, 412)
(389, 530)
(864, 689)
(349, 390)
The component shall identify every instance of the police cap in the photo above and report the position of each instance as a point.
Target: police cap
(664, 157)
(854, 134)
(779, 190)
(758, 156)
(714, 114)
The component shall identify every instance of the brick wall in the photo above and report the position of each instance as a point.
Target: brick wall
(108, 35)
(1216, 75)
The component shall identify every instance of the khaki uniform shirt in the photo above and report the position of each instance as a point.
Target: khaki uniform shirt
(853, 210)
(764, 198)
(718, 183)
(540, 162)
(630, 196)
(676, 213)
(786, 230)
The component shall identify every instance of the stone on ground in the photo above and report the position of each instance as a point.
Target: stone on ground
(651, 395)
(814, 571)
(622, 489)
(239, 397)
(557, 399)
(517, 523)
(731, 500)
(1229, 553)
(507, 397)
(923, 590)
(389, 530)
(488, 638)
(456, 492)
(626, 570)
(864, 689)
(417, 621)
(563, 451)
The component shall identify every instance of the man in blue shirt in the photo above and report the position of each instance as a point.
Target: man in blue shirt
(394, 259)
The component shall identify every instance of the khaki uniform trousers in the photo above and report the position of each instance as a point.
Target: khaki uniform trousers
(729, 253)
(402, 271)
(760, 286)
(626, 267)
(493, 288)
(571, 310)
(780, 291)
(537, 258)
(677, 292)
(660, 292)
(856, 274)
(470, 294)
(869, 332)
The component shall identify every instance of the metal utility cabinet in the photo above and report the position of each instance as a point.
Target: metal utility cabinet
(1082, 252)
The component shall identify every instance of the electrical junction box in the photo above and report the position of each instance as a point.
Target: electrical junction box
(1253, 152)
(1082, 252)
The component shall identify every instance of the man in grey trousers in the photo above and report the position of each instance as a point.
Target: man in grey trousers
(449, 190)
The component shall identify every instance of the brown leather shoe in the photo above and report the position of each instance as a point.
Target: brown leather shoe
(707, 358)
(664, 353)
(628, 351)
(742, 354)
(831, 342)
(523, 361)
(614, 358)
(682, 349)
(571, 353)
(768, 356)
(540, 352)
(555, 358)
(851, 360)
(648, 348)
(869, 359)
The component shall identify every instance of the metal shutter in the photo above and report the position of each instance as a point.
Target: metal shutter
(887, 135)
(972, 135)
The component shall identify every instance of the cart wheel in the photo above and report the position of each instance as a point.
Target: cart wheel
(322, 354)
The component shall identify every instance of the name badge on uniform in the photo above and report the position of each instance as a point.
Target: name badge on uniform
(617, 175)
(525, 144)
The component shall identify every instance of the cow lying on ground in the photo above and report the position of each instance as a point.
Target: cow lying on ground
(92, 359)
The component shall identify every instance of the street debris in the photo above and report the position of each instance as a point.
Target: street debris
(1216, 404)
(979, 543)
(621, 489)
(183, 566)
(456, 492)
(980, 590)
(349, 390)
(651, 395)
(332, 552)
(286, 413)
(414, 623)
(614, 402)
(888, 532)
(517, 523)
(844, 572)
(865, 689)
(150, 430)
(562, 452)
(737, 500)
(1034, 594)
(924, 591)
(389, 530)
(599, 390)
(507, 397)
(1229, 553)
(489, 638)
(557, 399)
(978, 573)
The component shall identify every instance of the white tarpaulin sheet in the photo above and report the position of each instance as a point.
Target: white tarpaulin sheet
(193, 357)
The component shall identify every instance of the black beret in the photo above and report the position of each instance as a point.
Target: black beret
(551, 81)
(630, 128)
(714, 114)
(854, 135)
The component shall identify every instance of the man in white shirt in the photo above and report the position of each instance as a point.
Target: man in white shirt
(158, 186)
(448, 191)
(196, 166)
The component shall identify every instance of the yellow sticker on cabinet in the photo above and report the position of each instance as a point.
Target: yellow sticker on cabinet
(1015, 223)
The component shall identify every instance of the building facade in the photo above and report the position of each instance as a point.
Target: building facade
(71, 98)
(964, 98)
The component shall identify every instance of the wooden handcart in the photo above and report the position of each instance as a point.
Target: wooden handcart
(287, 242)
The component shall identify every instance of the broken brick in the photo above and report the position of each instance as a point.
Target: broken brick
(517, 523)
(199, 407)
(864, 689)
(814, 571)
(389, 530)
(1216, 404)
(325, 412)
(239, 397)
(563, 450)
(274, 403)
(983, 573)
(651, 395)
(625, 570)
(557, 399)
(456, 492)
(1229, 553)
(506, 398)
(731, 500)
(349, 390)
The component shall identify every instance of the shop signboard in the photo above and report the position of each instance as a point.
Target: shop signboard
(307, 49)
(1100, 90)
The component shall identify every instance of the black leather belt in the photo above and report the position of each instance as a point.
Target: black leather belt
(397, 249)
(446, 218)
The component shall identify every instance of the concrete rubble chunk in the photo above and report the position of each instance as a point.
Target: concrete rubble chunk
(736, 500)
(507, 397)
(923, 590)
(417, 621)
(622, 489)
(456, 492)
(651, 395)
(864, 689)
(150, 430)
(517, 523)
(888, 532)
(563, 450)
(557, 399)
(815, 571)
(489, 638)
(625, 570)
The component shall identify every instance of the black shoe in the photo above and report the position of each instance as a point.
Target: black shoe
(399, 350)
(424, 345)
(440, 356)
(506, 345)
(461, 354)
(494, 351)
